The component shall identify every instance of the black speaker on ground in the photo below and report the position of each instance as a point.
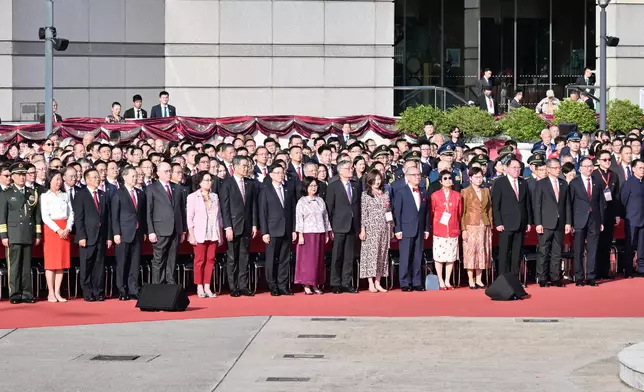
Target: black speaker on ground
(169, 297)
(506, 287)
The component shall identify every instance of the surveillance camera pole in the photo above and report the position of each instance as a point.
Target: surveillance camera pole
(49, 66)
(602, 65)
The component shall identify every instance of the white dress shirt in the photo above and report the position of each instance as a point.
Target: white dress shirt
(416, 196)
(54, 207)
(489, 101)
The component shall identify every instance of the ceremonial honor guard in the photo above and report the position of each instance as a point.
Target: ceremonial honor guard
(20, 223)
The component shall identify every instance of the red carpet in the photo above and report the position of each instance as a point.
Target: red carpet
(621, 298)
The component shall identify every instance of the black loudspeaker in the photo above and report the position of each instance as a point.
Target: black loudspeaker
(566, 128)
(169, 297)
(506, 288)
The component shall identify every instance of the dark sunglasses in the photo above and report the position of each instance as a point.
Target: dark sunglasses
(447, 178)
(604, 159)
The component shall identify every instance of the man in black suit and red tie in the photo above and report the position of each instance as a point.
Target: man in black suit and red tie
(129, 227)
(412, 229)
(343, 201)
(276, 215)
(588, 208)
(512, 214)
(166, 223)
(295, 169)
(238, 199)
(552, 219)
(93, 235)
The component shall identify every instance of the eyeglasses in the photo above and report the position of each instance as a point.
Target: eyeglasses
(447, 178)
(604, 159)
(31, 172)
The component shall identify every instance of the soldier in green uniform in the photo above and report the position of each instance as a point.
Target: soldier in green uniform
(20, 224)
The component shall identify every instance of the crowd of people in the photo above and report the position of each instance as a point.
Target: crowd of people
(360, 195)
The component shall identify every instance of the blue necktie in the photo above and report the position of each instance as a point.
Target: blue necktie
(165, 111)
(628, 172)
(348, 186)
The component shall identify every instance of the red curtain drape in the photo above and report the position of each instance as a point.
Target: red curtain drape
(201, 129)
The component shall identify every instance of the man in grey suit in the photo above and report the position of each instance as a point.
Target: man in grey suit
(167, 225)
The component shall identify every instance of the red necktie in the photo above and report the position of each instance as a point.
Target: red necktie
(264, 171)
(98, 208)
(415, 190)
(299, 173)
(133, 198)
(515, 187)
(168, 191)
(116, 184)
(588, 188)
(557, 190)
(230, 168)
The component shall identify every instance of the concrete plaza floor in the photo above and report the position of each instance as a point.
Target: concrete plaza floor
(304, 354)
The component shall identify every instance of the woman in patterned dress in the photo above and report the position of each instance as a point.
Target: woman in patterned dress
(477, 228)
(446, 210)
(376, 231)
(115, 117)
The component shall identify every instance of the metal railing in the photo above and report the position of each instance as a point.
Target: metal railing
(440, 97)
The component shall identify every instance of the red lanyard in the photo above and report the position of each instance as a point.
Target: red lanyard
(603, 178)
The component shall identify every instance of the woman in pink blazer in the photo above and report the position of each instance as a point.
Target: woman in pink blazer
(204, 231)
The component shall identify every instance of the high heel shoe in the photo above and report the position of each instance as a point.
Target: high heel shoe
(449, 288)
(307, 291)
(480, 286)
(473, 287)
(443, 288)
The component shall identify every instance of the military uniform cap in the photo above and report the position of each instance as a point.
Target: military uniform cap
(535, 159)
(539, 148)
(505, 150)
(18, 168)
(574, 136)
(482, 159)
(380, 150)
(412, 156)
(446, 149)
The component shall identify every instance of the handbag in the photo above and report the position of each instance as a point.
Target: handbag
(431, 282)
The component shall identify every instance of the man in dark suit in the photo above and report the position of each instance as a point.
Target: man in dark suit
(588, 208)
(163, 109)
(93, 234)
(238, 198)
(343, 200)
(129, 227)
(623, 170)
(136, 112)
(486, 101)
(632, 198)
(512, 213)
(587, 100)
(310, 170)
(295, 169)
(586, 80)
(166, 223)
(552, 218)
(610, 186)
(412, 229)
(56, 117)
(515, 103)
(276, 215)
(346, 136)
(485, 81)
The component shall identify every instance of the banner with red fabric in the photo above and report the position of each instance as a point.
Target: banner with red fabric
(202, 129)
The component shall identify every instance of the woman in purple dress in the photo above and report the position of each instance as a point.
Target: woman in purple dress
(313, 230)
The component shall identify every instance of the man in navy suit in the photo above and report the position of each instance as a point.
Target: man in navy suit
(163, 109)
(93, 234)
(588, 208)
(129, 225)
(632, 197)
(412, 229)
(276, 214)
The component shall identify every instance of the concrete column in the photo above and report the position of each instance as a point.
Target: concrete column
(472, 14)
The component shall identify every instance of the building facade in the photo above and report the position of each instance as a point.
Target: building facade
(305, 57)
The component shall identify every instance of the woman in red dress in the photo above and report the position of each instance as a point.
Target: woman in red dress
(58, 218)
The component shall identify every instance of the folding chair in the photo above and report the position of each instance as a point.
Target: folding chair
(257, 263)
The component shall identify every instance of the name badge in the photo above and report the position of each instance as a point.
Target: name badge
(389, 217)
(607, 195)
(445, 218)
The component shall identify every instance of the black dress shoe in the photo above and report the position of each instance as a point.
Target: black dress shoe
(100, 298)
(592, 282)
(580, 283)
(89, 299)
(133, 296)
(628, 275)
(275, 293)
(351, 290)
(406, 289)
(637, 274)
(246, 293)
(235, 294)
(15, 300)
(418, 288)
(123, 297)
(543, 284)
(336, 290)
(557, 283)
(286, 292)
